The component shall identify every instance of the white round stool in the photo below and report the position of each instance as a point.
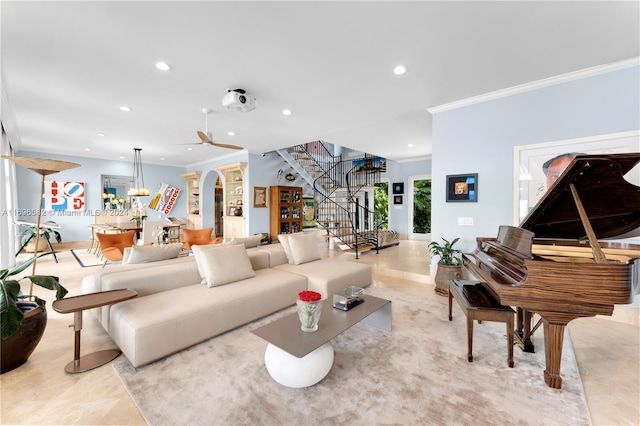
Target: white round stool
(294, 372)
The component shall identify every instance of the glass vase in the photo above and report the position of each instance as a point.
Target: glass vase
(309, 314)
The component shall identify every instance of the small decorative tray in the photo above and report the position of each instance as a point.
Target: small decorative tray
(348, 298)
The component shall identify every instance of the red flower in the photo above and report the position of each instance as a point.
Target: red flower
(309, 296)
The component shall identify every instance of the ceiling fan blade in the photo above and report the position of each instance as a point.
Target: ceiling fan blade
(223, 145)
(192, 143)
(203, 137)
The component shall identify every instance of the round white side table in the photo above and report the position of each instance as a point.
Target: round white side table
(294, 372)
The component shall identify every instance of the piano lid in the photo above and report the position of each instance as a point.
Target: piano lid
(612, 204)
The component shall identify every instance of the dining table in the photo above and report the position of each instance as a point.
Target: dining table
(137, 226)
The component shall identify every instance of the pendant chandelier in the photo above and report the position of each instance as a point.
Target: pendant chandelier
(138, 189)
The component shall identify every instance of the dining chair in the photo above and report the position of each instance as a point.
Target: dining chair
(148, 228)
(112, 245)
(102, 229)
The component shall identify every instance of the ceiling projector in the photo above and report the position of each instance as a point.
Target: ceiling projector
(239, 100)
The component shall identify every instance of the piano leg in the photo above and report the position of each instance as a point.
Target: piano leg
(523, 332)
(553, 339)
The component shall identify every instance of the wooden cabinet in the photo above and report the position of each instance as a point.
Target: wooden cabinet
(285, 210)
(233, 182)
(194, 215)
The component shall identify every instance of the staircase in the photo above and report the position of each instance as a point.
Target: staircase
(343, 193)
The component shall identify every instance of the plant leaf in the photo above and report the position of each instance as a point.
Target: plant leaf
(10, 315)
(50, 283)
(26, 264)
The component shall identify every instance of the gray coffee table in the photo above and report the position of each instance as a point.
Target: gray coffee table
(297, 359)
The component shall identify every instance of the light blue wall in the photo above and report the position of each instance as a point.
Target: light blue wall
(75, 228)
(261, 171)
(480, 139)
(400, 172)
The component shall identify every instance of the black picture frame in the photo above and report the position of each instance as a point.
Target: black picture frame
(462, 188)
(397, 199)
(398, 188)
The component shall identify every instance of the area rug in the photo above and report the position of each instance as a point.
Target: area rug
(85, 259)
(418, 374)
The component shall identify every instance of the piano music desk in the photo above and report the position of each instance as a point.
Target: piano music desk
(478, 304)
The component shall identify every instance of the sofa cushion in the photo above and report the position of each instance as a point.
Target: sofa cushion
(223, 265)
(304, 248)
(144, 254)
(276, 253)
(329, 276)
(158, 325)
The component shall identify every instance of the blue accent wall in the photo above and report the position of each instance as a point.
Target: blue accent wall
(75, 228)
(481, 138)
(261, 171)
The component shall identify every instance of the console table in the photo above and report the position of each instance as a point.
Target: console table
(77, 304)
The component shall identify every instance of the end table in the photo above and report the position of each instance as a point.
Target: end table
(77, 304)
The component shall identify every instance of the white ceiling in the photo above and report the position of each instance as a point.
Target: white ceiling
(69, 66)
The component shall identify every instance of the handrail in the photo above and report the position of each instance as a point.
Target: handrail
(337, 184)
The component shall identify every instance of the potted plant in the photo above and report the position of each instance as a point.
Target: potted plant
(138, 219)
(46, 234)
(22, 322)
(449, 265)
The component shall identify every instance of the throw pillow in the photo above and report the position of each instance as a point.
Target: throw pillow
(231, 242)
(284, 241)
(304, 248)
(144, 254)
(249, 242)
(202, 248)
(223, 265)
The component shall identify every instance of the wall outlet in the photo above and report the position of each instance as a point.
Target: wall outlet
(465, 221)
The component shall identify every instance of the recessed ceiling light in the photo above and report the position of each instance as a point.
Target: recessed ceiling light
(125, 108)
(87, 149)
(102, 134)
(189, 149)
(410, 145)
(231, 133)
(163, 66)
(161, 158)
(122, 157)
(399, 70)
(286, 111)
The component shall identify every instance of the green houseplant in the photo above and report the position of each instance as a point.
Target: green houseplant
(445, 251)
(22, 322)
(449, 265)
(46, 234)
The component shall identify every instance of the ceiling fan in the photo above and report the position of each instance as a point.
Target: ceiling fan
(205, 137)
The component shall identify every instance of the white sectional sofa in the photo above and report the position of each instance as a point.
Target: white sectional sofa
(180, 304)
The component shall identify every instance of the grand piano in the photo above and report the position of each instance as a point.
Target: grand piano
(557, 263)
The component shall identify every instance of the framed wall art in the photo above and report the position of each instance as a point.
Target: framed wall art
(530, 164)
(462, 188)
(259, 196)
(397, 199)
(63, 196)
(398, 188)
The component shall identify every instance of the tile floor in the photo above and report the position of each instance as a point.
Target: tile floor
(40, 392)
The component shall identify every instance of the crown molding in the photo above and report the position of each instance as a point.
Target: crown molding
(413, 159)
(535, 85)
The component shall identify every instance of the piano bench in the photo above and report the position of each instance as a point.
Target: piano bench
(478, 304)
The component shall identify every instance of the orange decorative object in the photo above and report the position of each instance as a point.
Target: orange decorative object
(198, 237)
(112, 245)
